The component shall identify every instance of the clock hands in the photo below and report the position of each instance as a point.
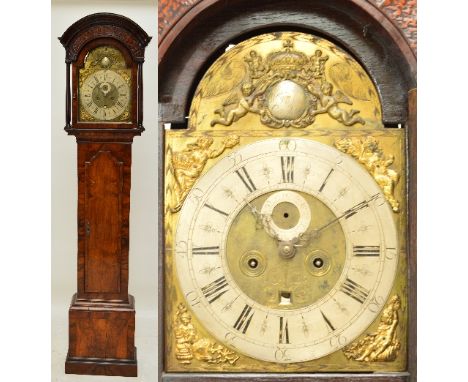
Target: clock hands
(287, 248)
(262, 221)
(347, 214)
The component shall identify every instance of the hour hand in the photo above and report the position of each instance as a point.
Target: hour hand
(262, 221)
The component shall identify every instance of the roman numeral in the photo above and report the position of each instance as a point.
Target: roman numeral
(216, 289)
(283, 331)
(366, 250)
(89, 104)
(327, 321)
(325, 181)
(120, 104)
(96, 110)
(215, 209)
(243, 322)
(205, 251)
(287, 169)
(354, 290)
(244, 176)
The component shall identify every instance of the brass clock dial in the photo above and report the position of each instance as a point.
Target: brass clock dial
(286, 250)
(105, 95)
(105, 87)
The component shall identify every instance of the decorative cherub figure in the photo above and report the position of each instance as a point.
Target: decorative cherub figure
(244, 105)
(317, 62)
(255, 63)
(188, 164)
(185, 335)
(189, 345)
(372, 157)
(383, 345)
(329, 104)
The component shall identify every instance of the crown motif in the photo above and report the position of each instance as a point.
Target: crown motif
(286, 59)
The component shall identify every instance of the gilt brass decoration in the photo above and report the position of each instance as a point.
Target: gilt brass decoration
(252, 246)
(368, 152)
(287, 89)
(188, 345)
(383, 345)
(283, 80)
(106, 71)
(187, 165)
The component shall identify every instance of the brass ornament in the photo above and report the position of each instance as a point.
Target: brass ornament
(285, 79)
(226, 87)
(368, 152)
(188, 345)
(383, 345)
(187, 165)
(104, 58)
(287, 89)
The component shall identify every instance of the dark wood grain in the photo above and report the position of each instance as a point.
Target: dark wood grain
(101, 338)
(102, 313)
(401, 12)
(67, 98)
(356, 26)
(103, 220)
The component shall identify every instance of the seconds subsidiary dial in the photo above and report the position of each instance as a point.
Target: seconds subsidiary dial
(286, 250)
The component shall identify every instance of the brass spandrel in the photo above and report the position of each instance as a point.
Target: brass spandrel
(369, 153)
(384, 344)
(187, 165)
(112, 94)
(285, 80)
(189, 345)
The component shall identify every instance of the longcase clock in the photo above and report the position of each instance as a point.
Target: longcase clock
(104, 111)
(285, 220)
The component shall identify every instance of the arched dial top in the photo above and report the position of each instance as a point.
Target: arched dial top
(286, 250)
(105, 87)
(285, 80)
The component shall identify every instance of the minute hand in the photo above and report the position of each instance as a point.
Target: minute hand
(348, 213)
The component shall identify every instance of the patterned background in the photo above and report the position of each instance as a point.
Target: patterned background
(402, 12)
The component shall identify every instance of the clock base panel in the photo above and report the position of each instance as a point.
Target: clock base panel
(101, 366)
(101, 338)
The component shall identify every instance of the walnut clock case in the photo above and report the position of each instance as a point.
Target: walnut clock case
(104, 100)
(286, 249)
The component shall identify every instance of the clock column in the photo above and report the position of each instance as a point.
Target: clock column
(102, 313)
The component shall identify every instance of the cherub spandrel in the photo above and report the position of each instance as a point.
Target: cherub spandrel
(328, 103)
(185, 335)
(244, 105)
(383, 345)
(187, 165)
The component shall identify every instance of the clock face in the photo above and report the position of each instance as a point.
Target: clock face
(286, 250)
(105, 95)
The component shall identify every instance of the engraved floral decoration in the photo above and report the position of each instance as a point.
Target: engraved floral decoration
(187, 165)
(383, 345)
(188, 345)
(286, 88)
(368, 152)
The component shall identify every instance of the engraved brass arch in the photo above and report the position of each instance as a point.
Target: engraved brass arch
(285, 80)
